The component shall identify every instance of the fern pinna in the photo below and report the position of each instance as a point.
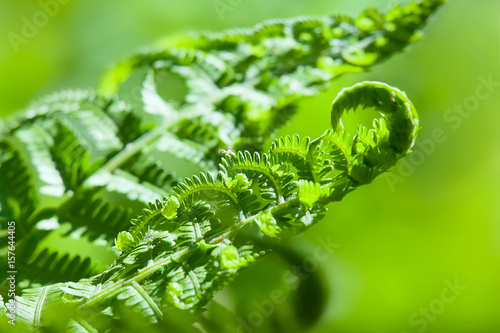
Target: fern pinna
(81, 165)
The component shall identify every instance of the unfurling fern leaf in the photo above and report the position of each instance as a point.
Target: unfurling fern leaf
(186, 247)
(111, 166)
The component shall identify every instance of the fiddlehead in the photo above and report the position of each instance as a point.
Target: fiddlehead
(184, 103)
(189, 245)
(82, 164)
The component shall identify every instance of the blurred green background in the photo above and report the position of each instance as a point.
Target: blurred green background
(435, 218)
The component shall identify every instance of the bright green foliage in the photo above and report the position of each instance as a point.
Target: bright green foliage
(189, 247)
(124, 240)
(311, 193)
(169, 211)
(83, 165)
(229, 257)
(267, 223)
(239, 184)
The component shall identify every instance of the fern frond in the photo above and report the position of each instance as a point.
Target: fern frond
(71, 158)
(92, 161)
(17, 192)
(189, 245)
(273, 183)
(94, 214)
(64, 102)
(147, 169)
(49, 266)
(33, 304)
(295, 150)
(254, 76)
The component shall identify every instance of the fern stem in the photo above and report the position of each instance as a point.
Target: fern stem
(156, 310)
(141, 275)
(39, 307)
(134, 147)
(83, 323)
